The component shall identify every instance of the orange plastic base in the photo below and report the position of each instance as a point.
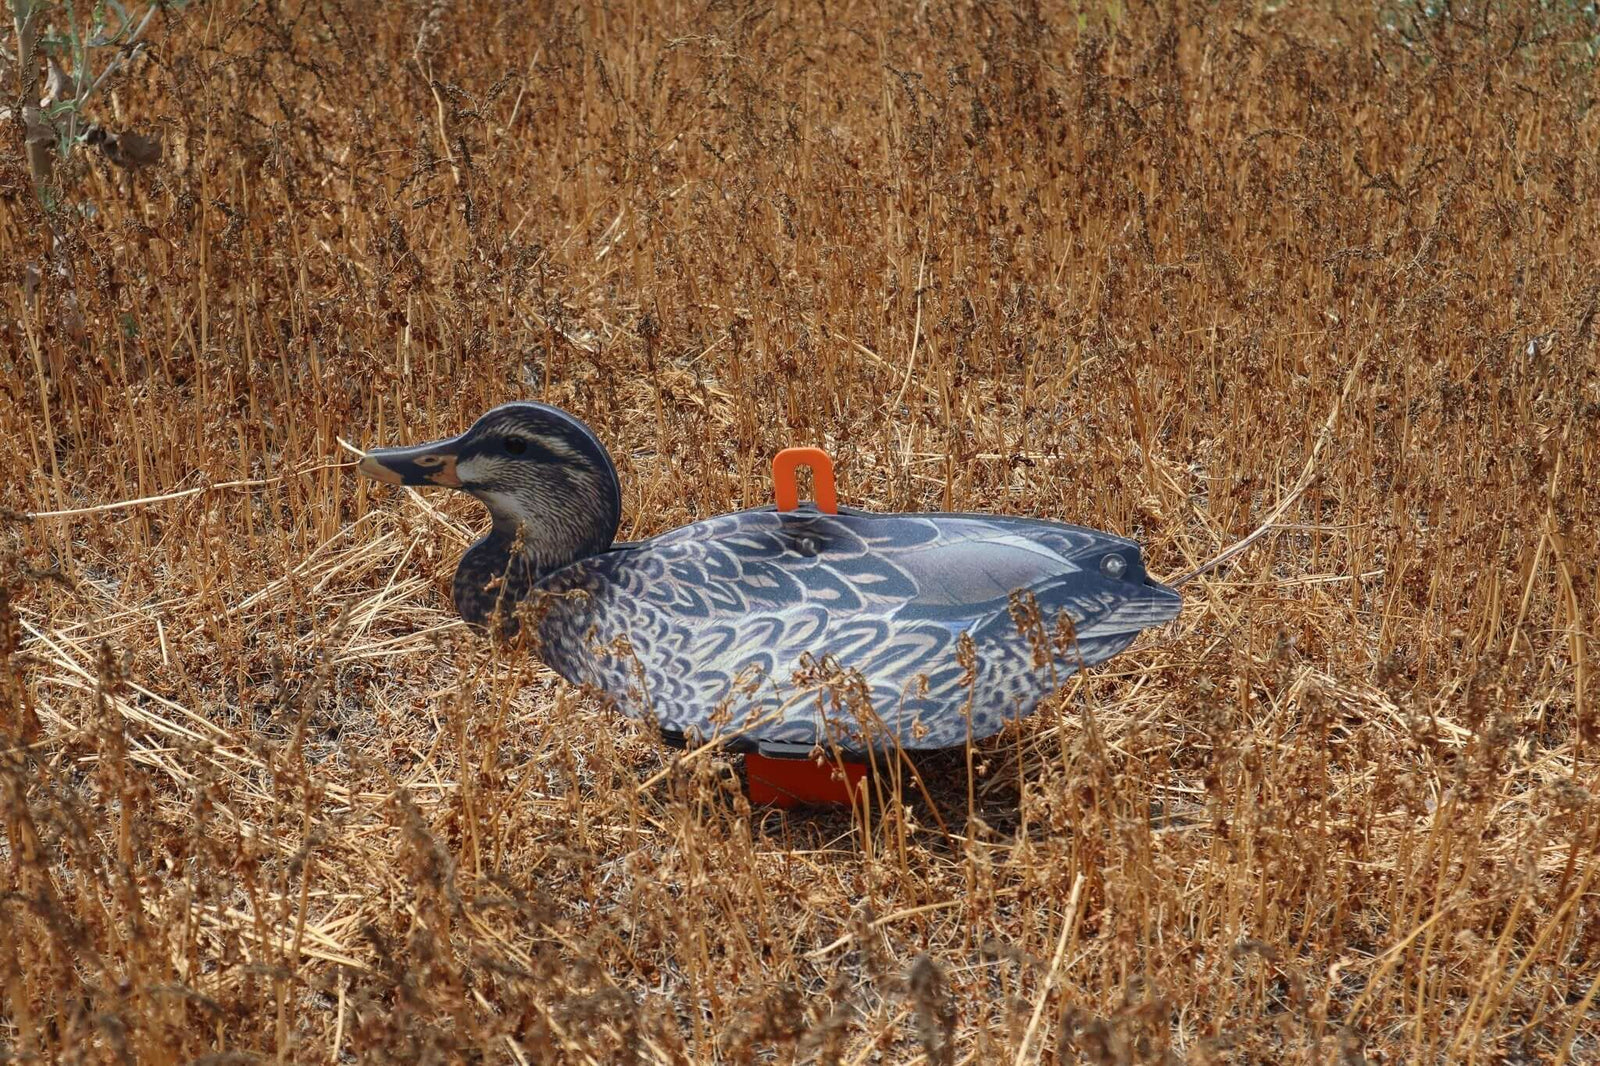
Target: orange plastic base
(800, 782)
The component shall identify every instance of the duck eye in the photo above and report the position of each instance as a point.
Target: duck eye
(516, 445)
(1113, 566)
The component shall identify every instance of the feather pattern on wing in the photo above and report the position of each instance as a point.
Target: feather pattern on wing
(788, 626)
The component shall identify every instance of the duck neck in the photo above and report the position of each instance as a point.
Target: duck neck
(491, 575)
(570, 515)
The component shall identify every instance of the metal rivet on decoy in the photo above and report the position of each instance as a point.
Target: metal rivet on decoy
(669, 623)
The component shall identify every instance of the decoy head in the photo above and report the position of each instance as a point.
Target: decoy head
(547, 481)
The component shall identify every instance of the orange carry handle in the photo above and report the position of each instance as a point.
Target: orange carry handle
(787, 491)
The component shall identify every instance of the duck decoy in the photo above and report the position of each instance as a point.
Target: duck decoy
(778, 628)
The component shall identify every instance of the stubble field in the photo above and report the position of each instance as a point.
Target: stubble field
(1154, 269)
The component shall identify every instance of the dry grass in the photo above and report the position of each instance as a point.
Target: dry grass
(265, 799)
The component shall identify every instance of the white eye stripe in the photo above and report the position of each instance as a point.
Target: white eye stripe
(554, 445)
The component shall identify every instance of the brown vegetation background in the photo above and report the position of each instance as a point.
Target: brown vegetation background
(265, 799)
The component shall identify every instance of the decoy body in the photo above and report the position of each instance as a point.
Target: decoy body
(772, 628)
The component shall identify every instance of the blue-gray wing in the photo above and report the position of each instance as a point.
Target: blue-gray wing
(799, 627)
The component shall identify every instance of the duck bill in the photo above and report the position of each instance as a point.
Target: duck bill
(423, 464)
